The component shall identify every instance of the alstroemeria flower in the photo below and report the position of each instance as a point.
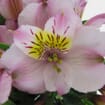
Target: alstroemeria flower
(10, 10)
(42, 10)
(63, 55)
(5, 85)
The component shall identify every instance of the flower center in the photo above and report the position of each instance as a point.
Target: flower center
(49, 46)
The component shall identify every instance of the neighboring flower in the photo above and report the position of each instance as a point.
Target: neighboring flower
(5, 86)
(97, 20)
(42, 10)
(5, 83)
(10, 10)
(63, 55)
(79, 6)
(6, 36)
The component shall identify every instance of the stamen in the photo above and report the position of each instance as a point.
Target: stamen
(57, 68)
(44, 41)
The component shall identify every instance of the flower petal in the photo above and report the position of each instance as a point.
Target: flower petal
(88, 70)
(5, 87)
(10, 8)
(42, 12)
(90, 37)
(5, 35)
(97, 20)
(28, 76)
(34, 17)
(11, 24)
(89, 79)
(58, 81)
(64, 79)
(26, 72)
(50, 76)
(26, 2)
(24, 36)
(79, 6)
(16, 55)
(63, 24)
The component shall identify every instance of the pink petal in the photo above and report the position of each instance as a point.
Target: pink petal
(90, 37)
(79, 6)
(63, 24)
(28, 76)
(17, 56)
(41, 12)
(89, 79)
(26, 72)
(10, 8)
(64, 79)
(38, 17)
(26, 2)
(5, 35)
(60, 82)
(11, 24)
(88, 70)
(50, 77)
(5, 87)
(23, 37)
(98, 20)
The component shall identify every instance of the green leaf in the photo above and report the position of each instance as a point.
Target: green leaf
(4, 46)
(72, 100)
(21, 98)
(2, 20)
(86, 102)
(9, 102)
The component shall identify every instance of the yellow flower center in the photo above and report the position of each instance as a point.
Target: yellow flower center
(45, 42)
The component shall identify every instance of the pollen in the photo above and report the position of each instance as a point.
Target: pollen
(43, 41)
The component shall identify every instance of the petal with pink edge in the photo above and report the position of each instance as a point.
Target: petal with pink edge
(6, 36)
(10, 9)
(88, 69)
(37, 18)
(64, 79)
(28, 76)
(50, 76)
(17, 56)
(5, 87)
(43, 11)
(97, 20)
(26, 72)
(60, 82)
(89, 79)
(90, 37)
(26, 2)
(63, 24)
(24, 37)
(79, 6)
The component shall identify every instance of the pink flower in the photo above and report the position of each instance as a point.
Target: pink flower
(5, 85)
(42, 10)
(6, 36)
(10, 10)
(65, 54)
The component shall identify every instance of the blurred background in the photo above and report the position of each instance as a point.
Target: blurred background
(93, 8)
